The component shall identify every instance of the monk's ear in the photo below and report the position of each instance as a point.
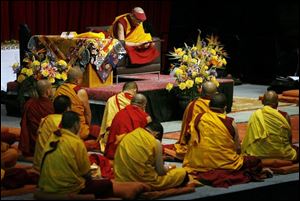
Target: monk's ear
(263, 101)
(199, 89)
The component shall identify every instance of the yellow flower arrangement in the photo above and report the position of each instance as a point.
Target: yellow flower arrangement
(54, 71)
(196, 64)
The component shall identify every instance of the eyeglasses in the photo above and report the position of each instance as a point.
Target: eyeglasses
(135, 20)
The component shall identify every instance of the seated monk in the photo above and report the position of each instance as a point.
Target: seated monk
(125, 121)
(65, 167)
(9, 155)
(12, 177)
(198, 106)
(139, 158)
(113, 105)
(48, 125)
(269, 132)
(129, 28)
(214, 146)
(34, 110)
(80, 102)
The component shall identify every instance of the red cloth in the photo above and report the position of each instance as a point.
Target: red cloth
(222, 178)
(94, 130)
(125, 121)
(103, 162)
(142, 56)
(250, 171)
(34, 110)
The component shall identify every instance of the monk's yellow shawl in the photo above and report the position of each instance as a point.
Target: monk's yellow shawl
(113, 105)
(213, 147)
(268, 135)
(137, 35)
(2, 173)
(76, 106)
(48, 125)
(135, 161)
(200, 106)
(64, 168)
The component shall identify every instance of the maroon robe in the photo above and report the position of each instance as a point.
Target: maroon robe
(34, 110)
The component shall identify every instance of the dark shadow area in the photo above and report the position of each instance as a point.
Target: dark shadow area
(282, 191)
(261, 39)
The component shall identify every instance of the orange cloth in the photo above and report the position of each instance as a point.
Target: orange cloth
(76, 106)
(211, 146)
(125, 121)
(34, 110)
(194, 108)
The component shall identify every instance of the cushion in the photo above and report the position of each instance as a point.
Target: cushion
(286, 169)
(293, 93)
(39, 195)
(152, 195)
(288, 99)
(276, 163)
(18, 191)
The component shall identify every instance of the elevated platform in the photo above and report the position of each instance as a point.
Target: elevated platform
(162, 105)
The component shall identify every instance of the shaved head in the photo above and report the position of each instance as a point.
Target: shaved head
(209, 88)
(218, 101)
(130, 86)
(74, 75)
(139, 100)
(43, 87)
(270, 98)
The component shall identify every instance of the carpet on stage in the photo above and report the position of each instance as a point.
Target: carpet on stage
(242, 130)
(245, 103)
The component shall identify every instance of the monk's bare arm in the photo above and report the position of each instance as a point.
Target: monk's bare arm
(237, 141)
(121, 36)
(83, 96)
(149, 119)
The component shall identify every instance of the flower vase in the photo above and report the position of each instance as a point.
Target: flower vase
(183, 101)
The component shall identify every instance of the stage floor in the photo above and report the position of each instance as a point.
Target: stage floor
(280, 187)
(162, 105)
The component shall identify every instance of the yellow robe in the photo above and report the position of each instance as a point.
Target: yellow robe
(76, 106)
(113, 105)
(64, 168)
(48, 125)
(213, 147)
(135, 161)
(268, 135)
(200, 106)
(136, 36)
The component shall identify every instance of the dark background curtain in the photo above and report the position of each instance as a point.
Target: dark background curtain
(262, 38)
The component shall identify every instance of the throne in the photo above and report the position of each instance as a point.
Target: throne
(124, 70)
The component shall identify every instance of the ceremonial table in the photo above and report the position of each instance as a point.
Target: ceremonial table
(96, 57)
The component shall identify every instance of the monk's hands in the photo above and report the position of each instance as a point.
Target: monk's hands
(169, 167)
(145, 45)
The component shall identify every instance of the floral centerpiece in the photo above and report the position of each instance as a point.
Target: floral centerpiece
(195, 65)
(39, 66)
